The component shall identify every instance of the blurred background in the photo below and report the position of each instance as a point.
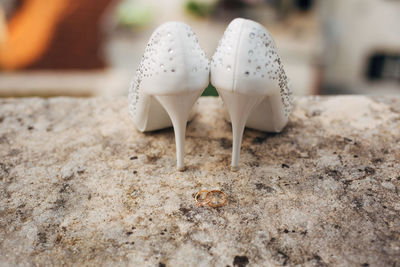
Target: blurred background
(93, 47)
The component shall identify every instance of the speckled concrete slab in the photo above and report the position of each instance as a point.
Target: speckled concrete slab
(79, 185)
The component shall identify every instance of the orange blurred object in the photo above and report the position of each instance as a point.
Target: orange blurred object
(54, 34)
(30, 31)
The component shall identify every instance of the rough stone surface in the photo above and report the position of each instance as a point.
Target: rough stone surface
(79, 185)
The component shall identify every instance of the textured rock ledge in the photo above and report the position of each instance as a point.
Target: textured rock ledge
(79, 185)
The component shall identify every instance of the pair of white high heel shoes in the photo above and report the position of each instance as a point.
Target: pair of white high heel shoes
(245, 69)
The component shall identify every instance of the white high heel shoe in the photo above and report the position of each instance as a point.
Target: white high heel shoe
(173, 73)
(248, 74)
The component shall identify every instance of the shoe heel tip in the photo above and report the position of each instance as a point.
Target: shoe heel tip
(234, 168)
(181, 169)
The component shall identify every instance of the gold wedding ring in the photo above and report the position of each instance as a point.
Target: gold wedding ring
(201, 201)
(212, 198)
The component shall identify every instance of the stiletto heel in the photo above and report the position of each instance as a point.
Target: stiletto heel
(178, 108)
(239, 107)
(248, 74)
(172, 74)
